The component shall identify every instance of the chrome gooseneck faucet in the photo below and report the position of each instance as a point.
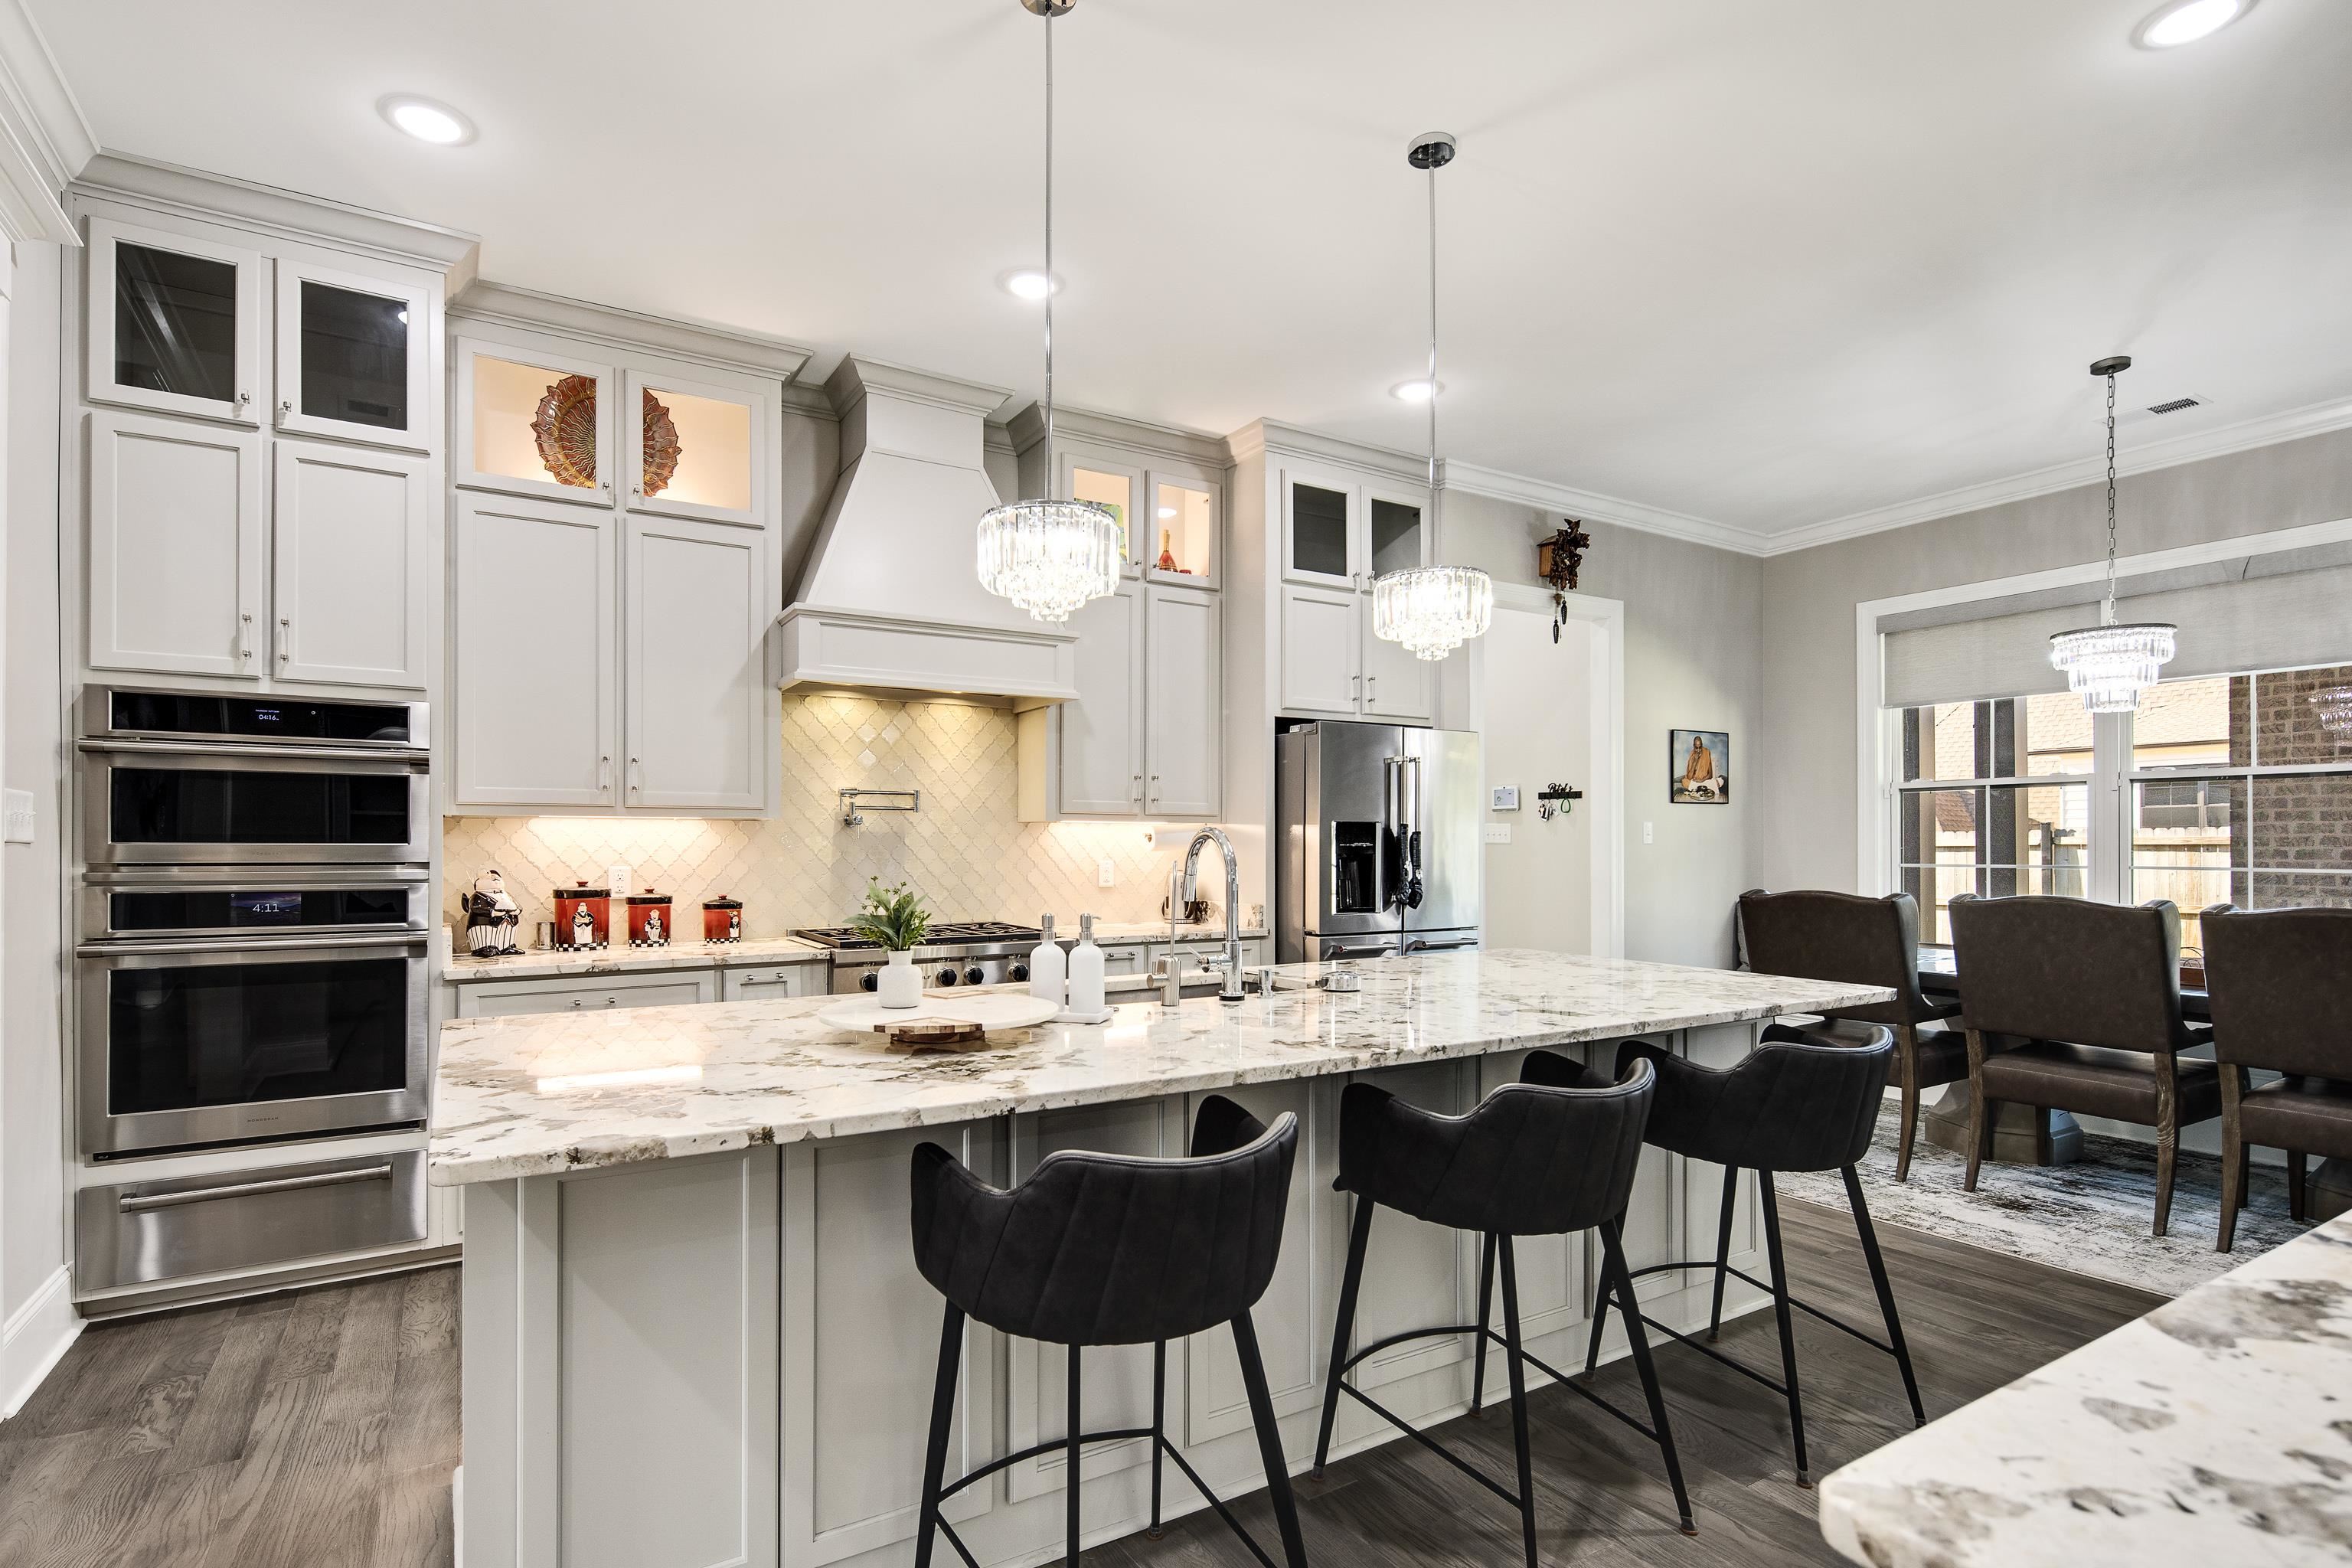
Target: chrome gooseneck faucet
(1183, 887)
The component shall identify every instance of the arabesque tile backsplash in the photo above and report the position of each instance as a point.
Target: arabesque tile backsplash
(963, 850)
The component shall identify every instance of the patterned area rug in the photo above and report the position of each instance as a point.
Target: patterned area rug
(2092, 1216)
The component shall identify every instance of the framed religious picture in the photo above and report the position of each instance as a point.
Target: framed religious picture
(1698, 767)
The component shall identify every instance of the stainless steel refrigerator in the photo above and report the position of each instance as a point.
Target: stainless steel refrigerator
(1377, 841)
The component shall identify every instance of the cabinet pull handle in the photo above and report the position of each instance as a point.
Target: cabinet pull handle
(611, 1001)
(245, 634)
(577, 1002)
(604, 776)
(1371, 688)
(285, 638)
(140, 1203)
(243, 400)
(637, 778)
(285, 409)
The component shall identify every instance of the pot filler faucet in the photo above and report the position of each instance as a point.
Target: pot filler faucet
(1183, 887)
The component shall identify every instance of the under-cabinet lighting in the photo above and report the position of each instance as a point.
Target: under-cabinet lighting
(427, 120)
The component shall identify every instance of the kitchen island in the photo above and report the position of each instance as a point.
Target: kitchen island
(694, 1333)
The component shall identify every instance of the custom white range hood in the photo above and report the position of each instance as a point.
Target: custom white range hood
(890, 601)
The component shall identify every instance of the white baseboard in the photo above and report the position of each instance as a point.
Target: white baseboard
(35, 1338)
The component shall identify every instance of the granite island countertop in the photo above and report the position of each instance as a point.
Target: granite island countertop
(2215, 1430)
(538, 1094)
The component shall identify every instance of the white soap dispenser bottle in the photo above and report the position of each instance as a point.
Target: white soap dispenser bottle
(1086, 971)
(1048, 972)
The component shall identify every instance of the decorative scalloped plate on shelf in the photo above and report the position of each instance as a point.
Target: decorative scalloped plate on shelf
(565, 430)
(661, 448)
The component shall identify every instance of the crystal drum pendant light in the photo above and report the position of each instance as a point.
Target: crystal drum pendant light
(2107, 666)
(1433, 610)
(1049, 556)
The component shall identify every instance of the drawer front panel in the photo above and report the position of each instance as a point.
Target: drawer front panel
(135, 1232)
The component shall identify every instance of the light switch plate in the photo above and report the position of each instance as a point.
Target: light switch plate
(1505, 797)
(1498, 833)
(1104, 872)
(1647, 833)
(16, 807)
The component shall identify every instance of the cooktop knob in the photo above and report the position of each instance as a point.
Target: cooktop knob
(974, 975)
(947, 976)
(869, 981)
(1019, 972)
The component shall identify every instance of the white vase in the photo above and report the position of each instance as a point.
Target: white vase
(899, 986)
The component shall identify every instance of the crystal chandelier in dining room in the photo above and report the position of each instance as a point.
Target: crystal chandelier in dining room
(1049, 556)
(2109, 664)
(1433, 610)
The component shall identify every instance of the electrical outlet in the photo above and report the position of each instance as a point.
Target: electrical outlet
(1104, 872)
(1498, 833)
(17, 806)
(1649, 833)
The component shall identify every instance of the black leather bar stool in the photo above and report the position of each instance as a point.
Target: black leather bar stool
(1805, 1100)
(1531, 1160)
(1871, 941)
(1106, 1249)
(2278, 979)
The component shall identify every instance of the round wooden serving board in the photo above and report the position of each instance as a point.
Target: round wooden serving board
(989, 1010)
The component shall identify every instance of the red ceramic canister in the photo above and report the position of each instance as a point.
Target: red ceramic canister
(584, 916)
(649, 918)
(722, 918)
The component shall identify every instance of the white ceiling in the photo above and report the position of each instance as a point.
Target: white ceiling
(1765, 265)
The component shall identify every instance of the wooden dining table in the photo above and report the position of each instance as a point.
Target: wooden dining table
(2026, 1134)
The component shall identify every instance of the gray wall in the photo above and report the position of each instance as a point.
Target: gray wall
(32, 952)
(1692, 631)
(1802, 771)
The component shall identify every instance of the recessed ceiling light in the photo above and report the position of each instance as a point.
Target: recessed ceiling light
(1412, 391)
(1028, 283)
(2185, 21)
(427, 120)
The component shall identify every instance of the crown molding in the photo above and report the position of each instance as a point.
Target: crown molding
(856, 375)
(1027, 428)
(2318, 419)
(1261, 437)
(45, 140)
(704, 342)
(1591, 507)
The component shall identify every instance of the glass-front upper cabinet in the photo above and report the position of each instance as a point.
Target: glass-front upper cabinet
(1318, 527)
(534, 424)
(1117, 488)
(175, 323)
(694, 449)
(1393, 534)
(1181, 529)
(353, 357)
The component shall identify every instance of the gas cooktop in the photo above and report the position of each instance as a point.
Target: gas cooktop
(944, 934)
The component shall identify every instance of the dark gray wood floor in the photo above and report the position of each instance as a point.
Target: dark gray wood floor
(319, 1427)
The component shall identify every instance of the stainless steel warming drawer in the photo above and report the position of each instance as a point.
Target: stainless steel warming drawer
(134, 1232)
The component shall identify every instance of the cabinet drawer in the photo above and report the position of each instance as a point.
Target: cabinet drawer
(505, 999)
(766, 982)
(135, 1232)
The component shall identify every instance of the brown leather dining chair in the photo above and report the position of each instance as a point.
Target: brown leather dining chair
(2087, 996)
(2278, 979)
(1868, 941)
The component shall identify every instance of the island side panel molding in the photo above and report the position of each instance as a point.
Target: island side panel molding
(621, 1330)
(861, 1327)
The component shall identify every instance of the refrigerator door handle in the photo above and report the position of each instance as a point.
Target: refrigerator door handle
(1392, 837)
(1411, 832)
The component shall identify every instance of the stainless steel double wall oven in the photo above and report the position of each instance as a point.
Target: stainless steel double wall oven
(252, 961)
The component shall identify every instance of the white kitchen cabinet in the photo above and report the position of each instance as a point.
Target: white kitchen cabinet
(350, 535)
(175, 322)
(1114, 486)
(695, 448)
(1102, 733)
(175, 546)
(1321, 651)
(354, 357)
(658, 989)
(695, 692)
(769, 982)
(533, 421)
(1398, 684)
(533, 671)
(1184, 717)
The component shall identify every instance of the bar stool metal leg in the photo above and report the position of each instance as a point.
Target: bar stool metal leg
(1723, 1250)
(1269, 1443)
(1511, 1354)
(1158, 1430)
(1077, 1448)
(1788, 1333)
(1360, 1236)
(1613, 1253)
(935, 1454)
(1600, 1289)
(1886, 1289)
(1486, 1310)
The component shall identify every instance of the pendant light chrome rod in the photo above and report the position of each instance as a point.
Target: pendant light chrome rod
(1051, 478)
(1432, 334)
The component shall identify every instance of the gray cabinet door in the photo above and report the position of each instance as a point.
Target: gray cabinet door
(532, 603)
(1185, 717)
(1102, 731)
(349, 550)
(175, 546)
(1320, 661)
(695, 693)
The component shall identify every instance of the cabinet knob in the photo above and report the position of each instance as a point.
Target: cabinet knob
(242, 398)
(576, 1002)
(285, 407)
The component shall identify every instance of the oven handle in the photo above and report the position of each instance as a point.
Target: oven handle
(130, 1204)
(402, 937)
(403, 756)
